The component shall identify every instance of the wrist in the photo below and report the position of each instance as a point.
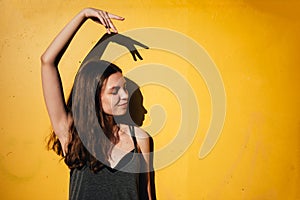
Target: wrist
(84, 13)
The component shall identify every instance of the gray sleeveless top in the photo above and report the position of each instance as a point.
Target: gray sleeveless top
(111, 183)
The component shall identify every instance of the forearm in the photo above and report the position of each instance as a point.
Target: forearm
(58, 46)
(52, 88)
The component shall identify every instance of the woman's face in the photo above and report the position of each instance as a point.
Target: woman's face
(114, 96)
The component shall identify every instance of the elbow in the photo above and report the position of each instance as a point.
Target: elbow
(47, 59)
(44, 59)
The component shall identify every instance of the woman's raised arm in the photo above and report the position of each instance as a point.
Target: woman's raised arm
(51, 82)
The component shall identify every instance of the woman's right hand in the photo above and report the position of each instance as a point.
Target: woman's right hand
(102, 17)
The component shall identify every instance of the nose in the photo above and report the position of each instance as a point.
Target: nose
(124, 94)
(145, 111)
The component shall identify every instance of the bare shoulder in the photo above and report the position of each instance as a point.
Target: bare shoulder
(141, 133)
(143, 139)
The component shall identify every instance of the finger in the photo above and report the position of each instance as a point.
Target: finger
(112, 16)
(101, 19)
(138, 55)
(101, 13)
(111, 25)
(106, 23)
(140, 44)
(133, 55)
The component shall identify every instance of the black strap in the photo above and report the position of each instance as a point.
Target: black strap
(132, 132)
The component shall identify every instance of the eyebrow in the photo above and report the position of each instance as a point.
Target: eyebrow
(116, 87)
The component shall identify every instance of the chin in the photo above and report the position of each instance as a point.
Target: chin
(120, 112)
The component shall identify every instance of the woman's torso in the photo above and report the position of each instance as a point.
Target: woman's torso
(120, 182)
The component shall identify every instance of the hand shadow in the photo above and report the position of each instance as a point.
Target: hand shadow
(98, 50)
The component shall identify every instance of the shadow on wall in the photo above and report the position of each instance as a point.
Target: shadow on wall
(136, 111)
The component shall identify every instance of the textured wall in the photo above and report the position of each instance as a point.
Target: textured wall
(254, 44)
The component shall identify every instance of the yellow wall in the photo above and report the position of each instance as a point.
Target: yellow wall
(254, 44)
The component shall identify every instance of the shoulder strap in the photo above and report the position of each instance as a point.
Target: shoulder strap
(132, 132)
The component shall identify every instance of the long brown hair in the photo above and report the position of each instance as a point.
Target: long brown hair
(93, 132)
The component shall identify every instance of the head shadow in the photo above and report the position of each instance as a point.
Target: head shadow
(135, 114)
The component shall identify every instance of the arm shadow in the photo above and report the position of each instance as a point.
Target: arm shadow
(129, 43)
(135, 113)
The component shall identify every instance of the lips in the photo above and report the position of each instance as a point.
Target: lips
(123, 104)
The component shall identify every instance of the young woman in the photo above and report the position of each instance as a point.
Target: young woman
(105, 158)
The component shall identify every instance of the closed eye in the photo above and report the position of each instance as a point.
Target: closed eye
(115, 90)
